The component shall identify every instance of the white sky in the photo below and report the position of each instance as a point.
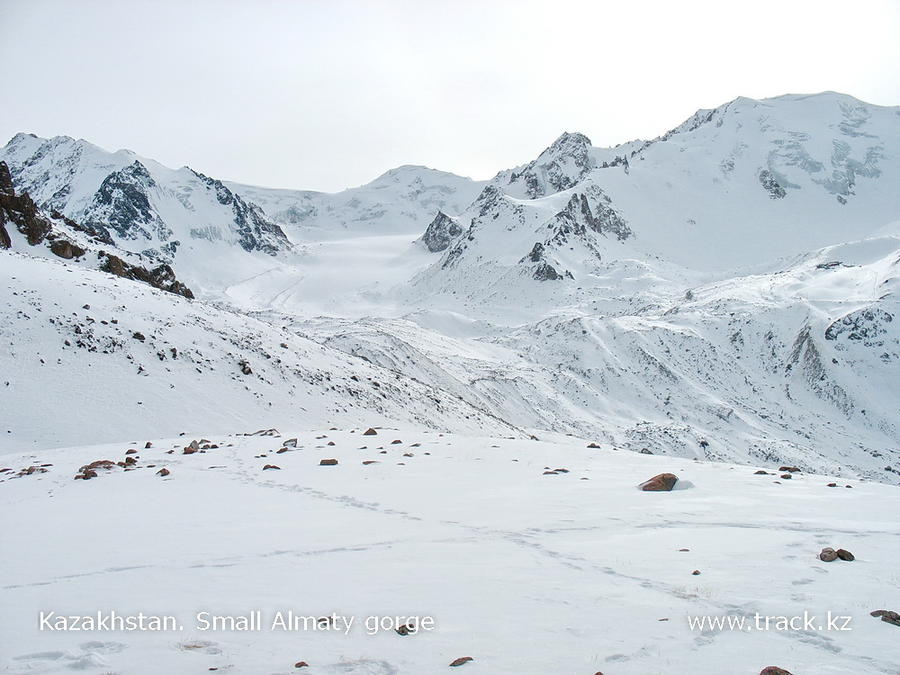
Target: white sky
(326, 95)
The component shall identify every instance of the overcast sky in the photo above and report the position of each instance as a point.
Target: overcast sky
(326, 95)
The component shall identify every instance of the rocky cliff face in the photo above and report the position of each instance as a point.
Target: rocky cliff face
(137, 203)
(36, 232)
(441, 232)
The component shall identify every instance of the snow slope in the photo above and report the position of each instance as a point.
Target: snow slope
(576, 572)
(91, 357)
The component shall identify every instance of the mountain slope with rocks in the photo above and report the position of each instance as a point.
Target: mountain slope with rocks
(106, 358)
(178, 217)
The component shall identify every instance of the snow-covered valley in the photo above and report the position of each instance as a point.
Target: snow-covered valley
(717, 300)
(522, 566)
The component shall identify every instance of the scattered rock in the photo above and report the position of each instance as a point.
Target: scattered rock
(148, 445)
(27, 471)
(832, 485)
(561, 470)
(86, 474)
(774, 670)
(695, 572)
(290, 443)
(785, 476)
(328, 462)
(844, 554)
(408, 454)
(98, 464)
(593, 446)
(663, 482)
(370, 432)
(407, 629)
(163, 472)
(244, 365)
(887, 615)
(550, 473)
(280, 450)
(761, 472)
(138, 336)
(131, 451)
(460, 661)
(271, 466)
(370, 461)
(265, 432)
(396, 442)
(828, 554)
(789, 469)
(301, 664)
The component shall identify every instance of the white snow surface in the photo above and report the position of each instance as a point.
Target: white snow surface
(522, 571)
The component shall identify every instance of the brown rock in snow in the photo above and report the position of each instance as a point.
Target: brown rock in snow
(271, 466)
(774, 670)
(370, 432)
(887, 615)
(844, 554)
(98, 464)
(828, 554)
(460, 661)
(328, 462)
(663, 482)
(163, 472)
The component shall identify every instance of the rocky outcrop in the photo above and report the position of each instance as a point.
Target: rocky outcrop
(559, 167)
(255, 231)
(867, 326)
(771, 185)
(543, 270)
(591, 210)
(161, 276)
(20, 211)
(442, 230)
(123, 205)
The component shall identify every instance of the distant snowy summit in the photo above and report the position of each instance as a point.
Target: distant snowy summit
(738, 186)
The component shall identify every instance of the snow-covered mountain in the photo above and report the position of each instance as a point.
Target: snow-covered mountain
(725, 291)
(731, 188)
(397, 202)
(178, 217)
